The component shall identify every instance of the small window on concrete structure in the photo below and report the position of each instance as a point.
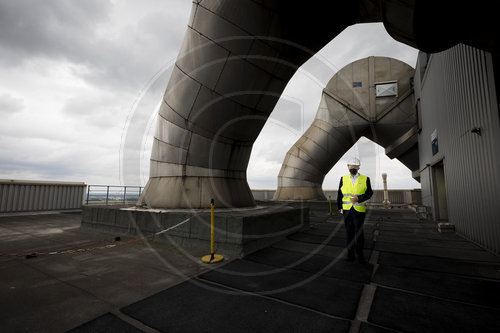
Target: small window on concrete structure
(386, 89)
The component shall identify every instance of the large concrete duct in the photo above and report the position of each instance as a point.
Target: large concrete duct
(235, 61)
(371, 97)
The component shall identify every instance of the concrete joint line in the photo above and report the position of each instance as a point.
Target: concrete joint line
(346, 104)
(257, 294)
(413, 292)
(395, 104)
(375, 268)
(221, 71)
(374, 257)
(137, 324)
(364, 306)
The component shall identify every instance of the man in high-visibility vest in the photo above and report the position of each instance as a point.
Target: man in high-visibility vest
(354, 190)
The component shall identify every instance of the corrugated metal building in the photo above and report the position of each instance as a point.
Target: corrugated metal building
(27, 195)
(459, 140)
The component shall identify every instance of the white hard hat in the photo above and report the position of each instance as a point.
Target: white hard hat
(353, 161)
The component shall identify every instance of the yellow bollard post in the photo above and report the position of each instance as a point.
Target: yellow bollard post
(212, 245)
(212, 257)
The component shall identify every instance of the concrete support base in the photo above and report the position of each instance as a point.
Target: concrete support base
(238, 232)
(196, 192)
(300, 193)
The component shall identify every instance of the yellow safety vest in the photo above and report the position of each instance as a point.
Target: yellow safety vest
(349, 190)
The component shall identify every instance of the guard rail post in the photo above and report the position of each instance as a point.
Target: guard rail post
(212, 257)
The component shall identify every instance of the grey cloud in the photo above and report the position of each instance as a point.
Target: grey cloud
(142, 50)
(99, 111)
(91, 105)
(50, 28)
(289, 112)
(276, 151)
(73, 31)
(66, 162)
(263, 182)
(38, 170)
(364, 40)
(367, 148)
(10, 105)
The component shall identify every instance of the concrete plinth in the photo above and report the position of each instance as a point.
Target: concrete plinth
(196, 192)
(237, 231)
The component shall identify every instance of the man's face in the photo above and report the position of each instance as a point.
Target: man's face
(349, 167)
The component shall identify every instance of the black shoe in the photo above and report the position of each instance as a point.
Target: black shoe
(362, 260)
(349, 259)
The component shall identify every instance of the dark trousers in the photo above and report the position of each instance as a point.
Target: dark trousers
(354, 221)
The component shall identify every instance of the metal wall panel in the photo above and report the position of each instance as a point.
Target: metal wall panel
(21, 196)
(457, 94)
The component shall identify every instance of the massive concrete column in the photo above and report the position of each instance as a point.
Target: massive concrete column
(371, 97)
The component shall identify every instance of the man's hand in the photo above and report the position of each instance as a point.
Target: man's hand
(341, 211)
(354, 199)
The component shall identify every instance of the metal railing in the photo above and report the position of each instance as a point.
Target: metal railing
(112, 194)
(395, 196)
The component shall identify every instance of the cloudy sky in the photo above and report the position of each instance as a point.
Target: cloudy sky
(80, 84)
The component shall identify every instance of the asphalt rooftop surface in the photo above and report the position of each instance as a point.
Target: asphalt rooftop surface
(416, 280)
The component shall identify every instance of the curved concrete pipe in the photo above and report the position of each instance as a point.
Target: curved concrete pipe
(349, 109)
